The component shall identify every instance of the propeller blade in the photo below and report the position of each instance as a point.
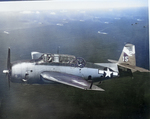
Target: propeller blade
(8, 67)
(8, 60)
(8, 71)
(8, 80)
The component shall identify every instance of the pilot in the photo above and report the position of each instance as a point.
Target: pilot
(49, 58)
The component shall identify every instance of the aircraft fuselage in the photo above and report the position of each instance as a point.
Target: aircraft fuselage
(30, 72)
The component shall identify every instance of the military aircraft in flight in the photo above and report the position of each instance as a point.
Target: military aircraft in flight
(46, 68)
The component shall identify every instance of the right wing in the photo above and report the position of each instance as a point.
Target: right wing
(70, 80)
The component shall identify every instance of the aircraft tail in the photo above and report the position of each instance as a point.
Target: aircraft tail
(128, 55)
(127, 59)
(126, 63)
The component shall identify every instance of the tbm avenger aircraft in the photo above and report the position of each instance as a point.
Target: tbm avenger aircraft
(46, 68)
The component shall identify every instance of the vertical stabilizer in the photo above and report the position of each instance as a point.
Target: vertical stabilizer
(128, 55)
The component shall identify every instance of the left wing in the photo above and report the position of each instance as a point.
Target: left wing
(70, 80)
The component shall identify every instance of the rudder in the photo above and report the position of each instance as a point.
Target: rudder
(128, 55)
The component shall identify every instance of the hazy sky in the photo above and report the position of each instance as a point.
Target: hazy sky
(70, 4)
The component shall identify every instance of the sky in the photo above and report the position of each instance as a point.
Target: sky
(70, 4)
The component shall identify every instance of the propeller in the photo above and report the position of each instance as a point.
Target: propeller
(8, 71)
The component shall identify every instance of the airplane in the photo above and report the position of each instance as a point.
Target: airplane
(47, 68)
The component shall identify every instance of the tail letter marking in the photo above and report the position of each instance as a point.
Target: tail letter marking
(125, 57)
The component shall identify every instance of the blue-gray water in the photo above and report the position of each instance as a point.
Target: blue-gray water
(95, 35)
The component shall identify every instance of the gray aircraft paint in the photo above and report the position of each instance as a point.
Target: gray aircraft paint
(34, 71)
(68, 69)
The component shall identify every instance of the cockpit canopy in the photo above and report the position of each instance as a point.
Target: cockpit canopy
(57, 58)
(46, 58)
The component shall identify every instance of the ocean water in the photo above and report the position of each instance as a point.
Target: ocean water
(96, 35)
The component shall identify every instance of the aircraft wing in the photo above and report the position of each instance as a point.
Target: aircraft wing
(70, 80)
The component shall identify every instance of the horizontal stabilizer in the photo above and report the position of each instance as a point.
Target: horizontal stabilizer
(70, 80)
(112, 61)
(112, 66)
(134, 68)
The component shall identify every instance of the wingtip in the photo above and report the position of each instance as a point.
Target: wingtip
(100, 89)
(96, 88)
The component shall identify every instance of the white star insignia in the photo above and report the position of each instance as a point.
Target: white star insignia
(108, 73)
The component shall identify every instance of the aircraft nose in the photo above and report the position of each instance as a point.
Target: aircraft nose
(21, 72)
(16, 72)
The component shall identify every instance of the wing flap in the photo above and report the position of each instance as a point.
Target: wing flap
(70, 80)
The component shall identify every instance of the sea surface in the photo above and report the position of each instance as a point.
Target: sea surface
(96, 35)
